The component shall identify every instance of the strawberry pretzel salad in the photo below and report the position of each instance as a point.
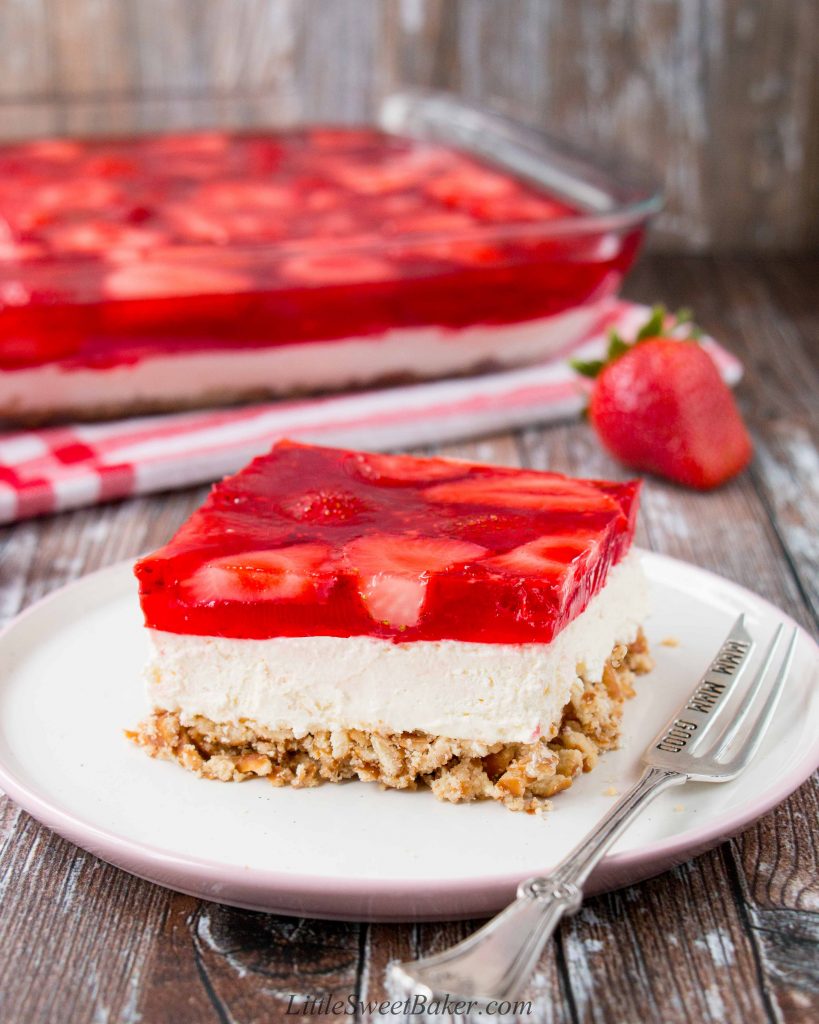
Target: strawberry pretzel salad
(330, 615)
(191, 270)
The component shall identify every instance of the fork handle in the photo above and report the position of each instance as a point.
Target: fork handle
(495, 962)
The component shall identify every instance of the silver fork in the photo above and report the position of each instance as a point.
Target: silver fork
(496, 961)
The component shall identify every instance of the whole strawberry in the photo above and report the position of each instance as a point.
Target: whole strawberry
(660, 405)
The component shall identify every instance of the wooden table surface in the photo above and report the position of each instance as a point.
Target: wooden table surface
(732, 936)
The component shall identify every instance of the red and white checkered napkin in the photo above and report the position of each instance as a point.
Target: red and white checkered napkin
(68, 466)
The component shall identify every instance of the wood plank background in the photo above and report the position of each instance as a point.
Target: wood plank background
(731, 937)
(720, 96)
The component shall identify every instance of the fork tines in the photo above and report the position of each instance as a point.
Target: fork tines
(686, 746)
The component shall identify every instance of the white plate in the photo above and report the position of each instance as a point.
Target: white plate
(71, 683)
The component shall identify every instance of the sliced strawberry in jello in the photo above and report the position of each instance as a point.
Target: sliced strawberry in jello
(523, 207)
(13, 251)
(165, 280)
(461, 251)
(245, 195)
(101, 237)
(325, 505)
(471, 188)
(401, 171)
(280, 575)
(402, 469)
(548, 555)
(191, 222)
(335, 268)
(393, 572)
(52, 201)
(222, 224)
(523, 490)
(559, 561)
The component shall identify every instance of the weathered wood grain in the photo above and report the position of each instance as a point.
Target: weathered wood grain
(721, 97)
(27, 66)
(250, 961)
(778, 882)
(731, 936)
(77, 963)
(613, 949)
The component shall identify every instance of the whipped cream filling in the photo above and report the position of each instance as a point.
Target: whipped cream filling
(285, 369)
(471, 691)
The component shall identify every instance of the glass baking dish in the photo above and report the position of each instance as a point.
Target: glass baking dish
(170, 271)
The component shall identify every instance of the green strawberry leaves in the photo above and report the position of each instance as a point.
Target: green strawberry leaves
(587, 369)
(617, 347)
(659, 324)
(653, 327)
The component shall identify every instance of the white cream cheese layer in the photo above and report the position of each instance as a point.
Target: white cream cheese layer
(472, 691)
(284, 369)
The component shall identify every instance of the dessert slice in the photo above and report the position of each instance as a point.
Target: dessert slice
(333, 614)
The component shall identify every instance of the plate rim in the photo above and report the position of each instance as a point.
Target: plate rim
(343, 894)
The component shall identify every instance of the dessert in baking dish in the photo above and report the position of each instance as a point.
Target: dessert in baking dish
(331, 614)
(165, 272)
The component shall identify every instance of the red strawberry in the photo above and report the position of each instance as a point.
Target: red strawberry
(543, 491)
(527, 208)
(151, 280)
(470, 188)
(12, 250)
(530, 559)
(546, 555)
(464, 252)
(223, 224)
(245, 195)
(660, 405)
(555, 559)
(401, 469)
(392, 174)
(192, 222)
(336, 268)
(102, 236)
(280, 574)
(324, 506)
(394, 570)
(81, 194)
(449, 239)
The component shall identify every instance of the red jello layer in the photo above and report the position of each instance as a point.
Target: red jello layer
(311, 541)
(115, 250)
